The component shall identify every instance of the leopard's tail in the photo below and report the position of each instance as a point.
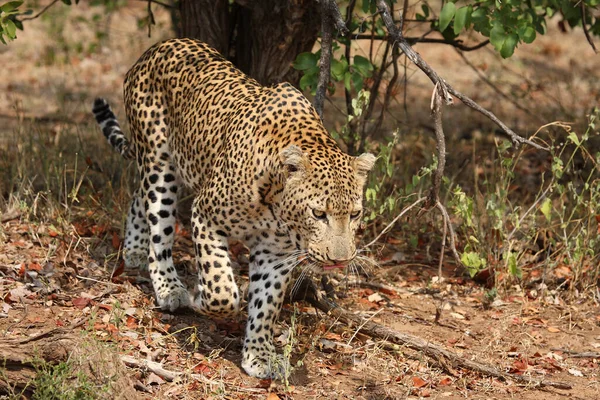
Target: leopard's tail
(110, 127)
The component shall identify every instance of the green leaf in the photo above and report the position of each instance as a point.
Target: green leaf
(573, 138)
(446, 15)
(546, 209)
(348, 81)
(11, 5)
(527, 34)
(357, 81)
(513, 269)
(339, 68)
(497, 37)
(363, 66)
(305, 61)
(478, 14)
(309, 81)
(11, 29)
(473, 262)
(460, 19)
(425, 9)
(508, 48)
(365, 5)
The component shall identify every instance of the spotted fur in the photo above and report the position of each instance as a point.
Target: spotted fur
(263, 169)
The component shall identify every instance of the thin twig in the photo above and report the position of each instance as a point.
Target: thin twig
(372, 97)
(443, 249)
(585, 28)
(366, 320)
(436, 114)
(331, 8)
(388, 94)
(436, 180)
(41, 12)
(151, 20)
(387, 228)
(412, 40)
(576, 354)
(535, 203)
(444, 212)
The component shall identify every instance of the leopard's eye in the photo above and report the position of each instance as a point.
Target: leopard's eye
(322, 215)
(356, 214)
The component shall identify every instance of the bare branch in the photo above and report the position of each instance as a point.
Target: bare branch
(331, 7)
(445, 88)
(412, 40)
(325, 61)
(347, 53)
(330, 13)
(585, 28)
(399, 40)
(151, 20)
(436, 113)
(43, 10)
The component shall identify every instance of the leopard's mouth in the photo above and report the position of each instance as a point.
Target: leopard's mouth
(331, 267)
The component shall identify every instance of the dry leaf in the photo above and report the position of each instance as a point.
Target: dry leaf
(375, 298)
(81, 302)
(445, 381)
(552, 329)
(273, 396)
(418, 382)
(575, 372)
(153, 378)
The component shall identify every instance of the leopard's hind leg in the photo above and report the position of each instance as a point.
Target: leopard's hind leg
(159, 184)
(137, 238)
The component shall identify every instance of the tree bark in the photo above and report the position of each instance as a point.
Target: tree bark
(206, 20)
(262, 38)
(271, 33)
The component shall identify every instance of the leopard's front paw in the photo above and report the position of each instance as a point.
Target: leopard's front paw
(264, 366)
(225, 304)
(173, 298)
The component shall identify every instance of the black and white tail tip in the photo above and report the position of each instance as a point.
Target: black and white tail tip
(110, 126)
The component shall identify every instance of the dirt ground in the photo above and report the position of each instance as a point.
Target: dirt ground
(63, 279)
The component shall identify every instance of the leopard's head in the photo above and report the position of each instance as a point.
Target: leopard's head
(322, 202)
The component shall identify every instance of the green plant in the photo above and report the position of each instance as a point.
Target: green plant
(8, 21)
(499, 230)
(352, 73)
(61, 382)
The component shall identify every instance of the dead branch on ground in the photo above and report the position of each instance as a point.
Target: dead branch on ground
(443, 358)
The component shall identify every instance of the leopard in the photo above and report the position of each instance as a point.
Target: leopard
(263, 170)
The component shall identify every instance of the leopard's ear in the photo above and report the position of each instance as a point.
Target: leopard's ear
(364, 163)
(292, 160)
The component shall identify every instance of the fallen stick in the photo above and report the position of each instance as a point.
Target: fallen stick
(170, 376)
(576, 354)
(445, 359)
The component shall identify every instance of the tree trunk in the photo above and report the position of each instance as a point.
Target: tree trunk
(207, 20)
(262, 38)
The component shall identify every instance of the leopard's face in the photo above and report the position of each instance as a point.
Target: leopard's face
(321, 203)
